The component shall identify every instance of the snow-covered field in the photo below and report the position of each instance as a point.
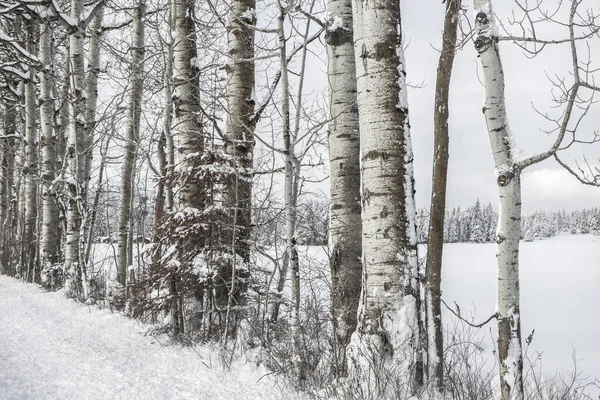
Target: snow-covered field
(53, 348)
(560, 277)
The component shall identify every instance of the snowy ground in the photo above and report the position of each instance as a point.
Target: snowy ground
(53, 348)
(560, 277)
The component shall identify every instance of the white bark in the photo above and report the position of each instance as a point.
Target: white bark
(131, 141)
(344, 164)
(30, 169)
(186, 125)
(77, 145)
(291, 171)
(382, 353)
(509, 181)
(50, 241)
(91, 89)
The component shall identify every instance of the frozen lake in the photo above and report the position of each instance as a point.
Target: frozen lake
(560, 296)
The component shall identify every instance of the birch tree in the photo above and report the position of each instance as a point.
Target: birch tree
(50, 239)
(239, 142)
(30, 169)
(435, 338)
(186, 125)
(131, 142)
(344, 153)
(510, 163)
(74, 270)
(382, 353)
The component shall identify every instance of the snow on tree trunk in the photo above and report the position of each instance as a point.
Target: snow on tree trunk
(30, 168)
(509, 220)
(136, 81)
(76, 149)
(186, 125)
(344, 156)
(50, 242)
(382, 354)
(435, 341)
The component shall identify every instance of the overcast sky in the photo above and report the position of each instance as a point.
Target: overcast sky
(471, 169)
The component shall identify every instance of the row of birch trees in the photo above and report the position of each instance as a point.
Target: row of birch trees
(210, 100)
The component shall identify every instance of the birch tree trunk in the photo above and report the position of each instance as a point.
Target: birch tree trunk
(131, 141)
(239, 140)
(50, 243)
(186, 125)
(509, 220)
(30, 169)
(344, 163)
(435, 246)
(7, 213)
(382, 354)
(91, 88)
(77, 145)
(291, 171)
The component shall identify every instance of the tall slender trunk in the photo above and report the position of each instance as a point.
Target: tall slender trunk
(291, 170)
(435, 339)
(131, 141)
(239, 141)
(382, 354)
(30, 168)
(77, 145)
(7, 192)
(50, 244)
(91, 88)
(169, 146)
(344, 162)
(509, 220)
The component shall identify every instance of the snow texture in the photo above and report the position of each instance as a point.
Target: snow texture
(54, 348)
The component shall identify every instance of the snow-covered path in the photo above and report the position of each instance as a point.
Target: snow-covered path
(53, 348)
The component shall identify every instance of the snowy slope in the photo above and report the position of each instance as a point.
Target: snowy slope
(53, 348)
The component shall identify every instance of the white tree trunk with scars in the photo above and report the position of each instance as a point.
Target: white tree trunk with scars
(509, 181)
(91, 89)
(131, 141)
(239, 140)
(30, 169)
(50, 243)
(76, 149)
(344, 155)
(91, 93)
(382, 354)
(186, 126)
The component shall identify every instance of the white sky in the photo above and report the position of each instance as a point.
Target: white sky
(471, 170)
(471, 166)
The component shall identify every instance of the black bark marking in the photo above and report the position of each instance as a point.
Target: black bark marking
(384, 51)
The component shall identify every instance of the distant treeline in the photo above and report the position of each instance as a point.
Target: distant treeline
(477, 224)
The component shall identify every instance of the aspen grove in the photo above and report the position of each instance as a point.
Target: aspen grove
(179, 161)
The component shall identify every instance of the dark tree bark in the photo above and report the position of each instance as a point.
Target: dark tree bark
(435, 343)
